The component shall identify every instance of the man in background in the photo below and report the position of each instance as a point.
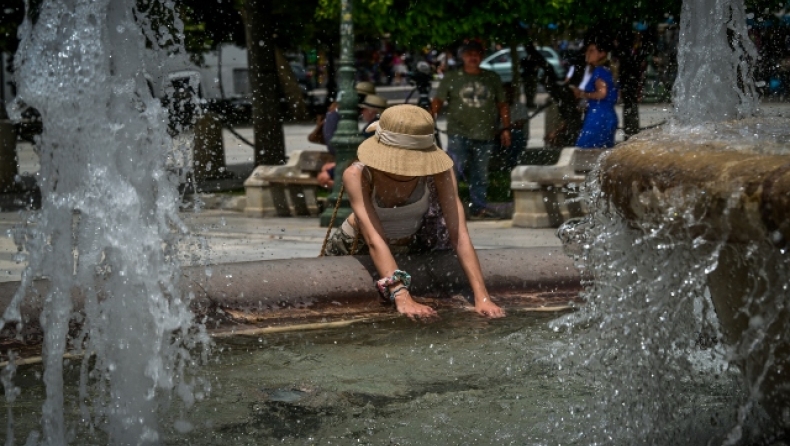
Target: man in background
(475, 105)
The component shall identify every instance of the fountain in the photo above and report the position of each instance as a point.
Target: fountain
(687, 248)
(108, 223)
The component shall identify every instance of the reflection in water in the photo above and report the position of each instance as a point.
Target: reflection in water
(462, 380)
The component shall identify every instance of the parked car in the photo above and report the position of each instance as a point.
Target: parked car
(501, 64)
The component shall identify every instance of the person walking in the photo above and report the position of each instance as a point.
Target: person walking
(404, 199)
(600, 119)
(475, 107)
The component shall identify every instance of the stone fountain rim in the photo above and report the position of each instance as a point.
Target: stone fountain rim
(645, 179)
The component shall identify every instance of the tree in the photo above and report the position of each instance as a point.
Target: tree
(444, 22)
(263, 26)
(261, 59)
(12, 15)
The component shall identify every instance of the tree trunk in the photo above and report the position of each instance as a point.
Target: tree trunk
(631, 59)
(264, 84)
(630, 83)
(331, 80)
(3, 99)
(8, 166)
(515, 71)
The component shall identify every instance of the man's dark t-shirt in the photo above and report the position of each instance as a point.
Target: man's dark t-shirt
(472, 103)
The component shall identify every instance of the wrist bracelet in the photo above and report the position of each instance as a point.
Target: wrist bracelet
(397, 290)
(398, 276)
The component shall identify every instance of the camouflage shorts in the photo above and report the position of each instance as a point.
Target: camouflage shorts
(340, 244)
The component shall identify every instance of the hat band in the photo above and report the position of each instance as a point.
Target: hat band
(404, 140)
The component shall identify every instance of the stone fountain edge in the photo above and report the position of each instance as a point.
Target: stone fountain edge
(347, 281)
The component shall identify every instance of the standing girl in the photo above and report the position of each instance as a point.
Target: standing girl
(600, 120)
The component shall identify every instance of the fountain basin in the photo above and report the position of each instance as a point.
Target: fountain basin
(734, 198)
(298, 291)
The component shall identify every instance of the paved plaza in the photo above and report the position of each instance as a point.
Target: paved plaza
(219, 237)
(223, 236)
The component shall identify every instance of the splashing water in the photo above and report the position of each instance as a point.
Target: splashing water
(107, 227)
(648, 332)
(714, 81)
(649, 335)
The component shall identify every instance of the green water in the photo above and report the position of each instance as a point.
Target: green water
(460, 380)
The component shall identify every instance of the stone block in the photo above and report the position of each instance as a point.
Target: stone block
(584, 160)
(285, 190)
(546, 196)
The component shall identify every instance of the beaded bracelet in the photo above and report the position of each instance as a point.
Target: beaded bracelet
(397, 277)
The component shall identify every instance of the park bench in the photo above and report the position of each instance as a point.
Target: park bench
(546, 196)
(286, 190)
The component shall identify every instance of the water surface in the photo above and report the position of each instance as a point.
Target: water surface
(460, 380)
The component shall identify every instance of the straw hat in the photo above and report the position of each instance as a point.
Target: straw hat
(404, 144)
(365, 87)
(374, 102)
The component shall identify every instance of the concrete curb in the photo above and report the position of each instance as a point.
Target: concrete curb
(341, 281)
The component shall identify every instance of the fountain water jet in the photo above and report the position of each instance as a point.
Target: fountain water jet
(715, 57)
(108, 223)
(687, 248)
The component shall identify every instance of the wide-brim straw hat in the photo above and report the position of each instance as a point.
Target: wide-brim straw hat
(404, 144)
(374, 102)
(365, 87)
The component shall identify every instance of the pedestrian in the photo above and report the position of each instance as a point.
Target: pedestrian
(446, 63)
(600, 119)
(404, 199)
(370, 109)
(327, 126)
(399, 69)
(333, 116)
(475, 107)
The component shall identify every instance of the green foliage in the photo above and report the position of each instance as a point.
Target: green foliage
(295, 24)
(207, 24)
(443, 22)
(592, 12)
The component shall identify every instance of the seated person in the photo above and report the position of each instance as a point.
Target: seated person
(370, 108)
(333, 117)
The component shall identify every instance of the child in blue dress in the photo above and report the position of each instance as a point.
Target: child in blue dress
(600, 120)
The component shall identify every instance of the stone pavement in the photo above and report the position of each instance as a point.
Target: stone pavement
(220, 237)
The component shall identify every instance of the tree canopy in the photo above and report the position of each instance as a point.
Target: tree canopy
(443, 22)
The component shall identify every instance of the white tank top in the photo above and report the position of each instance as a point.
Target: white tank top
(399, 222)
